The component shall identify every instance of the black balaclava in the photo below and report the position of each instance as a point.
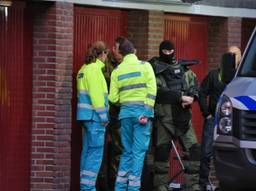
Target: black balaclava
(168, 45)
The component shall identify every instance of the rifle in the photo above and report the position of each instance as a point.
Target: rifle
(186, 63)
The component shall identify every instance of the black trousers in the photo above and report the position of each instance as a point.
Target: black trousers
(206, 152)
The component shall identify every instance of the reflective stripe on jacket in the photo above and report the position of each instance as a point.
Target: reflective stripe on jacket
(92, 102)
(133, 85)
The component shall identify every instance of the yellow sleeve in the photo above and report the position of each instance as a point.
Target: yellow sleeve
(96, 91)
(81, 81)
(151, 85)
(113, 92)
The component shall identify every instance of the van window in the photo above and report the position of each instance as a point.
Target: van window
(248, 69)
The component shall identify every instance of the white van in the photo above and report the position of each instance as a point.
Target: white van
(235, 127)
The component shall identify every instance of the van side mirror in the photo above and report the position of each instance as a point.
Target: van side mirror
(228, 70)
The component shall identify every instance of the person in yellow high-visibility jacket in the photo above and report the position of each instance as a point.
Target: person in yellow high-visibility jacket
(92, 109)
(133, 86)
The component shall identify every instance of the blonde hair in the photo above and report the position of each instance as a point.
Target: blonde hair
(94, 51)
(235, 50)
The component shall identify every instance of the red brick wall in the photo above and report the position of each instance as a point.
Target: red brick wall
(234, 31)
(223, 32)
(156, 32)
(138, 31)
(146, 30)
(217, 40)
(52, 92)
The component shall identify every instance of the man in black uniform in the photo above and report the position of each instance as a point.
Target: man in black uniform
(211, 88)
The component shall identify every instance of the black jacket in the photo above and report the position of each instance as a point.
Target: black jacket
(164, 94)
(211, 88)
(168, 107)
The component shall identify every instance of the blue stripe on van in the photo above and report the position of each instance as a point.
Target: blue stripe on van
(247, 101)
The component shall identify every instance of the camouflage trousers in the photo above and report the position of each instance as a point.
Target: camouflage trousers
(191, 177)
(114, 153)
(191, 162)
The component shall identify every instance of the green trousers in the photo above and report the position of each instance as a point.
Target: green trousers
(163, 135)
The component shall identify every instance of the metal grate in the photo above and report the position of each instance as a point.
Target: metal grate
(244, 124)
(15, 98)
(248, 125)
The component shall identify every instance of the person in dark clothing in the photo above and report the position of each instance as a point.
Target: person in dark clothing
(211, 86)
(113, 147)
(172, 110)
(209, 93)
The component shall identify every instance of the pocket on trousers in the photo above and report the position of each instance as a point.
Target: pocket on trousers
(145, 138)
(97, 136)
(146, 142)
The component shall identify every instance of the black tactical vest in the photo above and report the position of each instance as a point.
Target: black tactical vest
(175, 79)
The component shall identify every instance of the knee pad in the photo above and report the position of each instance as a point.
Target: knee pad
(162, 153)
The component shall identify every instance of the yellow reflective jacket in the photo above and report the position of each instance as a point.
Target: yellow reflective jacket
(133, 86)
(92, 102)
